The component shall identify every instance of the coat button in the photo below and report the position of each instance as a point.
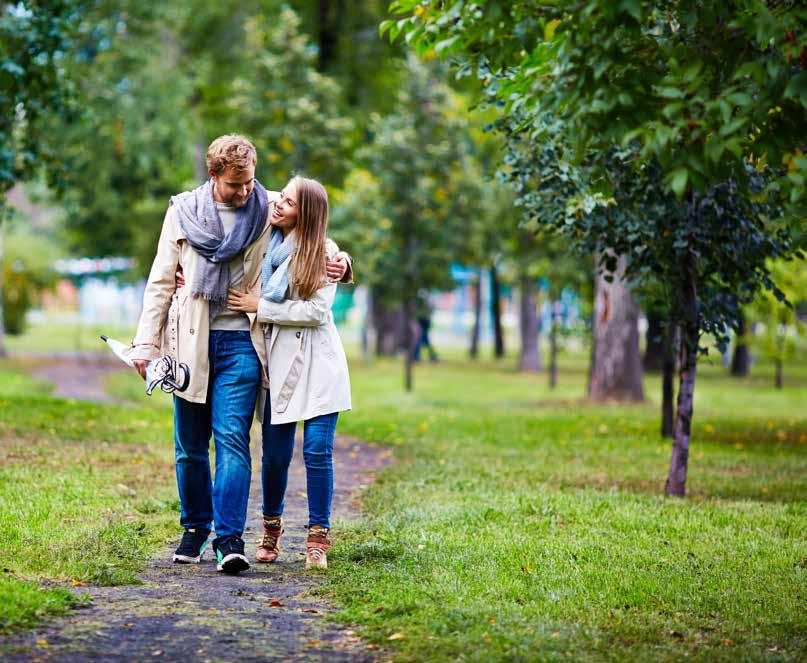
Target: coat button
(298, 334)
(191, 331)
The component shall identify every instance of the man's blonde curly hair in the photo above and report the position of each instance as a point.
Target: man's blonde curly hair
(231, 151)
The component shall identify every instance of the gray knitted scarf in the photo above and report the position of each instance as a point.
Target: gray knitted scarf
(200, 221)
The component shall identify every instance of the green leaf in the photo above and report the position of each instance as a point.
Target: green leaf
(797, 88)
(677, 180)
(549, 29)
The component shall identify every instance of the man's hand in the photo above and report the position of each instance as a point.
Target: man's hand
(336, 269)
(140, 366)
(242, 301)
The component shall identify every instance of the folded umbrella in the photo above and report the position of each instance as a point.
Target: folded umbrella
(166, 372)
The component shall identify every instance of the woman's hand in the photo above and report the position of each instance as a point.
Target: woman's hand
(180, 277)
(242, 301)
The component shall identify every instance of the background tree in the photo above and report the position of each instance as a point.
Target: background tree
(672, 82)
(33, 38)
(781, 327)
(412, 169)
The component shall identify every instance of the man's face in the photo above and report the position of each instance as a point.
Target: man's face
(233, 187)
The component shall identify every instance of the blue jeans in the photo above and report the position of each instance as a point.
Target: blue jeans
(235, 374)
(278, 447)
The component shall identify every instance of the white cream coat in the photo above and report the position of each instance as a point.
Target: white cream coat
(308, 373)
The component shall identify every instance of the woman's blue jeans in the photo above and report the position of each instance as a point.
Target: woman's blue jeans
(278, 448)
(235, 374)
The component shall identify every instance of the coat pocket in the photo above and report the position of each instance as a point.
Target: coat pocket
(293, 374)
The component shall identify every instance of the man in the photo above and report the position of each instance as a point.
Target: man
(217, 236)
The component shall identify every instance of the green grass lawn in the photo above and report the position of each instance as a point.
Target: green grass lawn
(86, 494)
(517, 524)
(521, 524)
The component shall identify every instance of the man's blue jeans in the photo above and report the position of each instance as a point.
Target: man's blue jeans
(278, 447)
(235, 374)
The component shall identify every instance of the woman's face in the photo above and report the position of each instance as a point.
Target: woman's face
(284, 215)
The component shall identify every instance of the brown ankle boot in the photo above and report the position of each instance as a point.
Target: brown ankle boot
(270, 543)
(317, 546)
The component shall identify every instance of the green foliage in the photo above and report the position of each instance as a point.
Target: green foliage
(407, 206)
(781, 326)
(26, 269)
(292, 112)
(33, 38)
(576, 80)
(701, 87)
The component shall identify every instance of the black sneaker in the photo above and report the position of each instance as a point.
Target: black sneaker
(192, 547)
(230, 555)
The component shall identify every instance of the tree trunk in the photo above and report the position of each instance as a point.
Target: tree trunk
(496, 312)
(778, 380)
(553, 347)
(616, 371)
(330, 14)
(688, 361)
(3, 351)
(389, 329)
(670, 347)
(741, 359)
(529, 326)
(475, 330)
(654, 343)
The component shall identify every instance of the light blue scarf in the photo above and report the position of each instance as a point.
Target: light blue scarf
(276, 266)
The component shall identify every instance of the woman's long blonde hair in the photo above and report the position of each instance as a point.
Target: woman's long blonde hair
(311, 232)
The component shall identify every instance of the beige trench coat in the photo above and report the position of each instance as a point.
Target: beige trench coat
(177, 324)
(308, 374)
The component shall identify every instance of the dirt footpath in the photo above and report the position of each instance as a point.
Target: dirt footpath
(191, 612)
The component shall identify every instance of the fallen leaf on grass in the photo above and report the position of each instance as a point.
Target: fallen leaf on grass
(556, 634)
(396, 636)
(42, 643)
(78, 583)
(274, 603)
(728, 642)
(313, 611)
(378, 609)
(372, 645)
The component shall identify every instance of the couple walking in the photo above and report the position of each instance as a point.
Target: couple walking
(241, 291)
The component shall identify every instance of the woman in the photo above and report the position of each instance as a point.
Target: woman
(308, 373)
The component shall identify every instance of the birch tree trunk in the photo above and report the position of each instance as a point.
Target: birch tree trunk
(529, 326)
(616, 369)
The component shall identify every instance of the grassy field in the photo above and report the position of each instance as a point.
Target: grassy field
(522, 524)
(518, 523)
(87, 493)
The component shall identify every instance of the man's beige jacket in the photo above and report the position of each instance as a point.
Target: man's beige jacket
(177, 324)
